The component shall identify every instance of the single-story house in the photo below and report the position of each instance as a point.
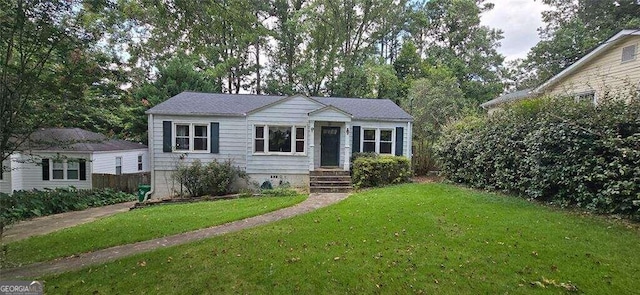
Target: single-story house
(63, 157)
(279, 139)
(612, 69)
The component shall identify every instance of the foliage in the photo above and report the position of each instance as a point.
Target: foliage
(380, 171)
(215, 178)
(406, 239)
(23, 205)
(46, 64)
(553, 150)
(449, 34)
(279, 191)
(141, 225)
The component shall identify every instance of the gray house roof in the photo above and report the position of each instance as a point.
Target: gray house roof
(76, 139)
(509, 97)
(195, 103)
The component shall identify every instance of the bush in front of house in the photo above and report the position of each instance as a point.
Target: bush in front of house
(214, 179)
(23, 205)
(553, 150)
(380, 170)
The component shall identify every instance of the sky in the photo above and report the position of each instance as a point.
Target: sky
(519, 21)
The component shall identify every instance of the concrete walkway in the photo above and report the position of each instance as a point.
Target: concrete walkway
(33, 271)
(47, 224)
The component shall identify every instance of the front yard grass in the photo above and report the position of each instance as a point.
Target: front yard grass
(415, 238)
(140, 225)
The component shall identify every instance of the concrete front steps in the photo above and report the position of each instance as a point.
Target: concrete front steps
(329, 181)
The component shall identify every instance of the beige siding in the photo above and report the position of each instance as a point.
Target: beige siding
(606, 74)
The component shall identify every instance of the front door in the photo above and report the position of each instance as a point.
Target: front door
(330, 146)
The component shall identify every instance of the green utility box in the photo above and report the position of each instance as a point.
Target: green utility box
(143, 189)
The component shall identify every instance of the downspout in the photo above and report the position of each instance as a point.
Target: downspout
(151, 158)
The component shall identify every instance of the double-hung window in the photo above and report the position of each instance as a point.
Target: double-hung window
(139, 162)
(369, 141)
(377, 141)
(386, 141)
(118, 165)
(65, 170)
(191, 137)
(279, 139)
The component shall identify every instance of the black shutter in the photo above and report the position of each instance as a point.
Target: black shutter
(355, 143)
(45, 169)
(83, 169)
(215, 138)
(399, 140)
(166, 136)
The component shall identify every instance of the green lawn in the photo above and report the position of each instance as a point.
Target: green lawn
(415, 238)
(139, 225)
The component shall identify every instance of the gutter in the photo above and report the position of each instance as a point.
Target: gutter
(151, 159)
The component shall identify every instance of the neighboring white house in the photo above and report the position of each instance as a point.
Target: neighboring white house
(273, 138)
(63, 157)
(610, 70)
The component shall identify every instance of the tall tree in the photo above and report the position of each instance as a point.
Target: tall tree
(44, 61)
(455, 38)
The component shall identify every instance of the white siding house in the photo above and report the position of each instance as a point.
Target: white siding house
(273, 138)
(64, 157)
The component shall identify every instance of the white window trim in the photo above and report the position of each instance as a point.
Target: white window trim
(584, 93)
(191, 137)
(65, 172)
(266, 140)
(377, 144)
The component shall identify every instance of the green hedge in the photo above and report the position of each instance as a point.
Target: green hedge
(555, 150)
(373, 171)
(215, 178)
(23, 205)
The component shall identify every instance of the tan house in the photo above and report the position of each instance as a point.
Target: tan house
(610, 70)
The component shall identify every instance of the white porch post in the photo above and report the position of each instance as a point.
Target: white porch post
(347, 146)
(311, 144)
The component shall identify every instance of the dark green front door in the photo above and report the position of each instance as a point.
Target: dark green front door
(330, 146)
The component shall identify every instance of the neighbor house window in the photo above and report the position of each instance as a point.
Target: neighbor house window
(118, 165)
(139, 162)
(57, 170)
(589, 96)
(73, 170)
(377, 141)
(369, 141)
(629, 53)
(279, 139)
(65, 170)
(191, 137)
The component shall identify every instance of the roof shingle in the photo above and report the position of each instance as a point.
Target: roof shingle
(194, 103)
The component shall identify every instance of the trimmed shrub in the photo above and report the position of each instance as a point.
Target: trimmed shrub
(553, 150)
(374, 171)
(23, 205)
(215, 178)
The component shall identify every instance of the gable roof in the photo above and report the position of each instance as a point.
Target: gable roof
(76, 139)
(509, 97)
(602, 48)
(220, 104)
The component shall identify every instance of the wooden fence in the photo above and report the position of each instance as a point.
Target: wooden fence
(124, 182)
